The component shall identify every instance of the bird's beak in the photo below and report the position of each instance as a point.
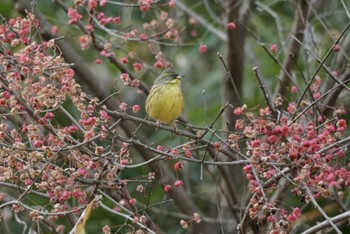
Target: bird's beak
(180, 76)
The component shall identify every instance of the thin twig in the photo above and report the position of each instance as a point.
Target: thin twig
(315, 102)
(266, 96)
(335, 144)
(201, 20)
(229, 76)
(276, 17)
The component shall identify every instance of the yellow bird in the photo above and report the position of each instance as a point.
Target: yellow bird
(165, 100)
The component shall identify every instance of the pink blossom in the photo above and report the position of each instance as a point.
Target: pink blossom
(202, 48)
(49, 115)
(271, 219)
(160, 148)
(239, 125)
(178, 183)
(178, 166)
(137, 66)
(172, 3)
(92, 4)
(294, 89)
(238, 111)
(159, 64)
(132, 201)
(116, 20)
(167, 188)
(135, 219)
(336, 48)
(124, 60)
(231, 26)
(248, 168)
(106, 229)
(98, 61)
(144, 8)
(73, 16)
(38, 143)
(273, 48)
(135, 108)
(188, 153)
(143, 36)
(89, 28)
(54, 30)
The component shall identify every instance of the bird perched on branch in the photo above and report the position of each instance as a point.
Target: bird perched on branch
(165, 100)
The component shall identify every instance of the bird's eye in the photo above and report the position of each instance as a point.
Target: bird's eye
(174, 76)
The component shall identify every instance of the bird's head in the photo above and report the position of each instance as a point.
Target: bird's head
(168, 77)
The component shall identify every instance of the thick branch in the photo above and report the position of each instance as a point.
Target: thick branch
(318, 227)
(235, 55)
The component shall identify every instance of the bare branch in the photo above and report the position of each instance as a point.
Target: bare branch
(318, 227)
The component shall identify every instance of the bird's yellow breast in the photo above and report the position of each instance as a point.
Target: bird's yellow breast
(165, 102)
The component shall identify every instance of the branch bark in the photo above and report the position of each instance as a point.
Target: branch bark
(235, 56)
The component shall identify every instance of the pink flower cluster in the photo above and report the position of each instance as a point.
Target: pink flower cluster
(297, 149)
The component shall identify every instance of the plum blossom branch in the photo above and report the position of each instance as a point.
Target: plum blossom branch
(16, 202)
(329, 52)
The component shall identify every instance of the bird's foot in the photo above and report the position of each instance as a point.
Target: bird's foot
(157, 124)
